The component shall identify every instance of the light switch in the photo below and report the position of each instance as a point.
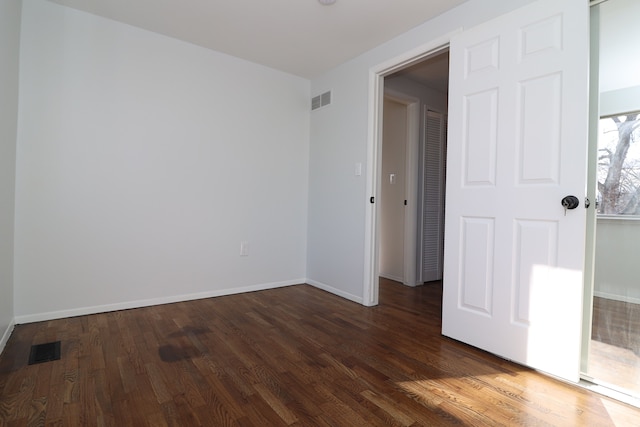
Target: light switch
(392, 178)
(358, 169)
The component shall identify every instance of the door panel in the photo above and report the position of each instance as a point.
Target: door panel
(477, 272)
(536, 243)
(540, 115)
(518, 141)
(480, 127)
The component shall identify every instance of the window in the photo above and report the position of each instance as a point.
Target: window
(619, 165)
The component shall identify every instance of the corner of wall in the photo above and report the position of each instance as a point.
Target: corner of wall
(335, 291)
(10, 26)
(6, 335)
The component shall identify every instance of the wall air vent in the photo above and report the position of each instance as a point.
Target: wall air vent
(321, 100)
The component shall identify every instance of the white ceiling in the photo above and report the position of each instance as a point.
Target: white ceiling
(301, 37)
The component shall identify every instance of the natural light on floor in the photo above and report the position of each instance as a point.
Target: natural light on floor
(555, 318)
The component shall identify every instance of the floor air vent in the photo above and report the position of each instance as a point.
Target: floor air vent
(321, 100)
(41, 353)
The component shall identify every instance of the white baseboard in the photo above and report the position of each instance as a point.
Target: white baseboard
(6, 335)
(400, 280)
(335, 291)
(610, 391)
(615, 297)
(392, 277)
(52, 315)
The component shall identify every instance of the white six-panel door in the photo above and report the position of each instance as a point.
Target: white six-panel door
(513, 272)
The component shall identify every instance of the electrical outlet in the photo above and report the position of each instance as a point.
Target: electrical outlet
(244, 248)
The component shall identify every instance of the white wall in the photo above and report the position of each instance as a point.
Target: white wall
(338, 198)
(617, 269)
(619, 35)
(9, 58)
(619, 57)
(143, 162)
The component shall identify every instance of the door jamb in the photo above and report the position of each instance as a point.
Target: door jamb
(592, 155)
(374, 155)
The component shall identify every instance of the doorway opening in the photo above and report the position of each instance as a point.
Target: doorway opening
(611, 342)
(412, 172)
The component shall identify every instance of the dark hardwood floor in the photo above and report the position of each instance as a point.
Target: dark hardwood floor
(290, 356)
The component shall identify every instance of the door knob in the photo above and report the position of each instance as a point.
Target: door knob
(570, 202)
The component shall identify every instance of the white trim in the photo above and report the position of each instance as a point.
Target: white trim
(615, 297)
(392, 277)
(432, 48)
(592, 155)
(614, 218)
(371, 234)
(376, 97)
(335, 291)
(608, 390)
(29, 318)
(6, 335)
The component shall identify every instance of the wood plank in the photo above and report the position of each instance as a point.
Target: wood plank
(290, 356)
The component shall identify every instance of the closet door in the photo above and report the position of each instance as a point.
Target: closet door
(433, 199)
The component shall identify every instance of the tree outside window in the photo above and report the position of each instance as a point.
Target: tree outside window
(619, 165)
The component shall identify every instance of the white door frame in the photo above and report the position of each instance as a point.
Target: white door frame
(412, 104)
(592, 170)
(374, 155)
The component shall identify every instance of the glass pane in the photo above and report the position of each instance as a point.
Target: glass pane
(614, 357)
(614, 347)
(619, 165)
